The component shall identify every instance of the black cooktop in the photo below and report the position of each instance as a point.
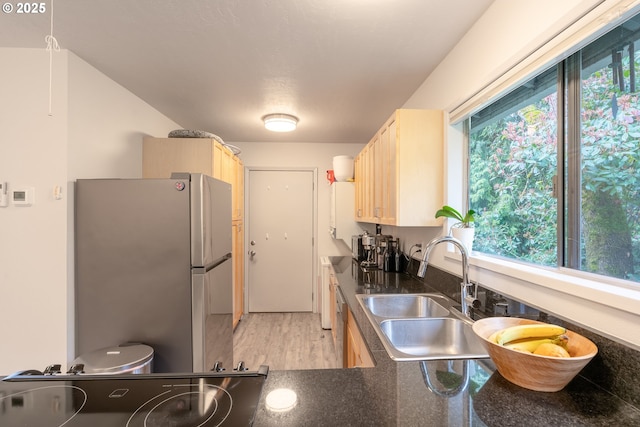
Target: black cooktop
(202, 399)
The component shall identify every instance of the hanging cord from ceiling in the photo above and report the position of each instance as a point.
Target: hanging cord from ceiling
(52, 46)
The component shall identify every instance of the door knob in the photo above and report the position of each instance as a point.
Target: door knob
(253, 243)
(252, 253)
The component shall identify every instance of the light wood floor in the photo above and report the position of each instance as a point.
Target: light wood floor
(283, 341)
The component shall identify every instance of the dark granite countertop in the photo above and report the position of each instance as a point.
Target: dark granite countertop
(395, 393)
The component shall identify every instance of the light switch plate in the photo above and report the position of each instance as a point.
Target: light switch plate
(4, 194)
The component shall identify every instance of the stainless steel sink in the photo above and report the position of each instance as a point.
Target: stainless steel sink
(421, 327)
(430, 339)
(405, 305)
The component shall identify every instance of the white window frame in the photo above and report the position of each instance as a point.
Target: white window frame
(605, 305)
(608, 306)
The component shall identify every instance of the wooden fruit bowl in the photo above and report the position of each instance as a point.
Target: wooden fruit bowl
(539, 373)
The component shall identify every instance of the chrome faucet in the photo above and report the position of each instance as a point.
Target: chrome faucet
(466, 300)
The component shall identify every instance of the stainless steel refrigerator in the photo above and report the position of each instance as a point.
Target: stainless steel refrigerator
(153, 266)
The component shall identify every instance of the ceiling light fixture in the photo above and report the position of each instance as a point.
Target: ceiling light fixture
(280, 122)
(281, 400)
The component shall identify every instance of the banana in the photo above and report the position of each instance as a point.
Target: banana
(520, 332)
(493, 336)
(529, 345)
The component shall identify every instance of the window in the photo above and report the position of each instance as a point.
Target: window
(554, 179)
(610, 155)
(513, 146)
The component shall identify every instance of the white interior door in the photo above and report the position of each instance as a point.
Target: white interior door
(280, 234)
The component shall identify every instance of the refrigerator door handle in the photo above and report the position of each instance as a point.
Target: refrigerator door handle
(214, 264)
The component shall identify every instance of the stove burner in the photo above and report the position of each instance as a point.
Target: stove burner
(153, 400)
(16, 407)
(207, 405)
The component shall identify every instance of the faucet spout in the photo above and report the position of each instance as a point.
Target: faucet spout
(465, 285)
(422, 269)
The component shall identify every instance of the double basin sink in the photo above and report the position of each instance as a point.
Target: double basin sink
(421, 327)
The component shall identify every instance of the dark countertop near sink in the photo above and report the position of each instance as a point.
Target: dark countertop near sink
(395, 393)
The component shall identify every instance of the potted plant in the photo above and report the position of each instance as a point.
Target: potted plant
(463, 229)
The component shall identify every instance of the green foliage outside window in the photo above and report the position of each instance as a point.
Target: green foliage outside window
(513, 158)
(610, 184)
(513, 161)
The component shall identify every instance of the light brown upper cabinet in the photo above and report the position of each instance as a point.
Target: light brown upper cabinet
(163, 156)
(237, 185)
(399, 174)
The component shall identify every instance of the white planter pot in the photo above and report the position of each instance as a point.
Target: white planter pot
(343, 168)
(465, 235)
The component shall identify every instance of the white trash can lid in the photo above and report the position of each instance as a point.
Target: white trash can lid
(113, 360)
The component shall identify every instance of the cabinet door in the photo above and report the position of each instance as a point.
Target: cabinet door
(357, 352)
(351, 353)
(368, 195)
(238, 189)
(228, 166)
(364, 183)
(378, 177)
(218, 164)
(238, 271)
(332, 309)
(387, 164)
(163, 156)
(358, 178)
(420, 160)
(392, 164)
(403, 168)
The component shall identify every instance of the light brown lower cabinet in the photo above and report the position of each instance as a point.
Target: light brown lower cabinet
(358, 355)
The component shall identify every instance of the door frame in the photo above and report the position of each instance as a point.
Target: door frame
(314, 227)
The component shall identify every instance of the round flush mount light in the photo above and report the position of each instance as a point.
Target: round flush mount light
(280, 122)
(281, 400)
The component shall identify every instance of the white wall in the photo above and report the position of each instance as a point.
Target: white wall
(106, 125)
(508, 32)
(33, 250)
(95, 130)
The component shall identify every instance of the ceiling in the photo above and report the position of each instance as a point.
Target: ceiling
(340, 66)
